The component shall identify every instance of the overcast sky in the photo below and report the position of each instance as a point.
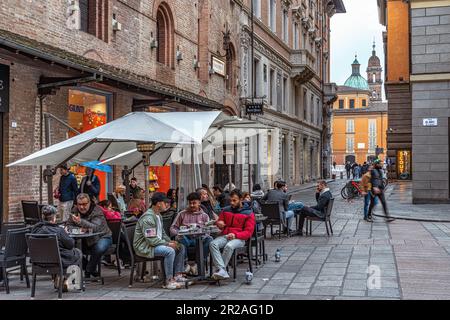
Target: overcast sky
(354, 32)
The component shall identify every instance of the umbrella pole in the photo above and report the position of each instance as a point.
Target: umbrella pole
(146, 162)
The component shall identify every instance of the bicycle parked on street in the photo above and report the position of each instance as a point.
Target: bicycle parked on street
(351, 190)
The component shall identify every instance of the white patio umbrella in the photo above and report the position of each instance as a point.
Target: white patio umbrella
(122, 135)
(190, 172)
(163, 156)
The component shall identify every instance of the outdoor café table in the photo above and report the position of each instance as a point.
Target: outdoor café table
(198, 235)
(78, 237)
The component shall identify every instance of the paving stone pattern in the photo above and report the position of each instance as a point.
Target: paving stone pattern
(402, 260)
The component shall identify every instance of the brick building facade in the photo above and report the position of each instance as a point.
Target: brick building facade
(130, 54)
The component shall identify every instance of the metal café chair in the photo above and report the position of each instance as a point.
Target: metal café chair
(272, 211)
(46, 260)
(14, 255)
(31, 212)
(326, 220)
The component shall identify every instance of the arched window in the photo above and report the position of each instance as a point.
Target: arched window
(230, 68)
(165, 35)
(373, 78)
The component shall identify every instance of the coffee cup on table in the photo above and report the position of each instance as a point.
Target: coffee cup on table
(193, 226)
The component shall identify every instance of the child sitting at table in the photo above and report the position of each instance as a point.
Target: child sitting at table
(108, 211)
(192, 215)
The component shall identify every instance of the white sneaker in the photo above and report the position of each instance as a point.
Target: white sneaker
(194, 270)
(180, 278)
(221, 275)
(172, 285)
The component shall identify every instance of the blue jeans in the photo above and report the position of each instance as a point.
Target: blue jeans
(190, 242)
(96, 253)
(367, 202)
(288, 218)
(296, 206)
(173, 260)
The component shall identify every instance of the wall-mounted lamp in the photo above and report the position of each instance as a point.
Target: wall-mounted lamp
(179, 54)
(195, 63)
(116, 25)
(154, 44)
(211, 70)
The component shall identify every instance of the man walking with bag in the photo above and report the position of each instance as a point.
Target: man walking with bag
(376, 181)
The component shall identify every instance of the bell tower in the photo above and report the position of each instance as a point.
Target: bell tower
(374, 79)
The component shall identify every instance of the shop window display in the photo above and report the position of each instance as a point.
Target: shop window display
(87, 111)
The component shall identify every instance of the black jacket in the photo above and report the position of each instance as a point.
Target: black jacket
(275, 195)
(69, 256)
(322, 201)
(224, 199)
(377, 179)
(208, 209)
(94, 219)
(68, 188)
(93, 190)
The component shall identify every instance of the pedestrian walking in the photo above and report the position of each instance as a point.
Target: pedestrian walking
(367, 193)
(348, 168)
(364, 168)
(66, 192)
(376, 181)
(334, 165)
(357, 172)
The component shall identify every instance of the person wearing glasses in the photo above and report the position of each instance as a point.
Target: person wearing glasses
(89, 217)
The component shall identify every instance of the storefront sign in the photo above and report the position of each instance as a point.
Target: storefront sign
(430, 122)
(254, 108)
(4, 88)
(75, 108)
(218, 66)
(404, 164)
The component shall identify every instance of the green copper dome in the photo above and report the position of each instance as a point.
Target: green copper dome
(356, 80)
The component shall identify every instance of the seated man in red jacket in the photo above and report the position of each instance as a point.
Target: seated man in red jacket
(237, 223)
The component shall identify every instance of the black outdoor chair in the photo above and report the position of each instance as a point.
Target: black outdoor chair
(272, 211)
(116, 229)
(167, 220)
(46, 260)
(129, 231)
(31, 212)
(258, 242)
(326, 219)
(4, 231)
(14, 255)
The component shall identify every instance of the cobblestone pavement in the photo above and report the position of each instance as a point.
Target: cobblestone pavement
(412, 260)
